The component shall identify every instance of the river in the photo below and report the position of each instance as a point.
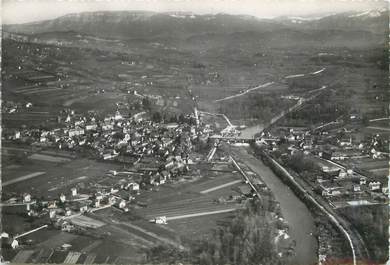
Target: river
(295, 212)
(250, 132)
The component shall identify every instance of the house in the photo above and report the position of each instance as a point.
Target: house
(171, 125)
(114, 190)
(90, 127)
(339, 156)
(82, 206)
(52, 214)
(14, 244)
(52, 204)
(162, 180)
(68, 212)
(78, 123)
(118, 116)
(363, 181)
(111, 200)
(74, 191)
(99, 196)
(345, 142)
(134, 186)
(356, 188)
(121, 204)
(331, 192)
(62, 198)
(161, 220)
(330, 189)
(26, 197)
(65, 226)
(165, 174)
(375, 185)
(76, 132)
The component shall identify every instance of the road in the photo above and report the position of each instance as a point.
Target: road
(221, 186)
(379, 128)
(267, 84)
(19, 179)
(380, 119)
(245, 92)
(200, 214)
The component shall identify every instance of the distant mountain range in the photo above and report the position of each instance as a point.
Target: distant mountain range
(182, 25)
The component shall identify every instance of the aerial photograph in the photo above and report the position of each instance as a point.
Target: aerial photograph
(225, 132)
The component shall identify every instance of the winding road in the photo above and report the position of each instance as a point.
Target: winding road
(267, 84)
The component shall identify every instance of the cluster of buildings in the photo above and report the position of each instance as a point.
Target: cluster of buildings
(116, 137)
(13, 107)
(152, 154)
(334, 153)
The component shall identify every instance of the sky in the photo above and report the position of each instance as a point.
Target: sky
(23, 11)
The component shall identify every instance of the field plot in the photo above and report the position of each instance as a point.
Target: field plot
(378, 167)
(58, 178)
(48, 158)
(85, 221)
(194, 203)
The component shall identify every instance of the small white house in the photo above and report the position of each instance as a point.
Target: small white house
(375, 185)
(342, 174)
(161, 220)
(26, 197)
(83, 208)
(62, 198)
(52, 214)
(122, 204)
(363, 181)
(135, 186)
(74, 191)
(14, 244)
(356, 188)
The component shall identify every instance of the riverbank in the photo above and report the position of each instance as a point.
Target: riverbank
(300, 220)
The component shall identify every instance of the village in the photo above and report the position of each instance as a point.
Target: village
(145, 156)
(337, 161)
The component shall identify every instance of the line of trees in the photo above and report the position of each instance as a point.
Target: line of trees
(246, 240)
